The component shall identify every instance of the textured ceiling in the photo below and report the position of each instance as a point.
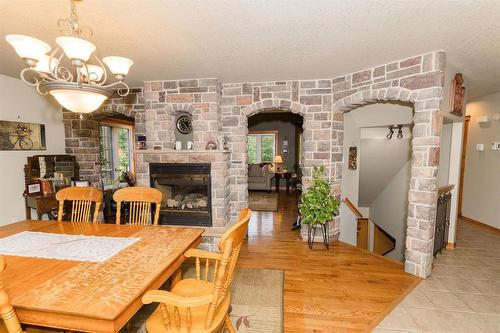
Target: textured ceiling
(255, 40)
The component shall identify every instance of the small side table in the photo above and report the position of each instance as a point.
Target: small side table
(42, 204)
(287, 176)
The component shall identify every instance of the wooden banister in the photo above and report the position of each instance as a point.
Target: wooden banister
(353, 208)
(446, 188)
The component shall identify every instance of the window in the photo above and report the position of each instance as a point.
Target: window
(261, 147)
(115, 151)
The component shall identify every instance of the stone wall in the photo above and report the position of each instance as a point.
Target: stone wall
(200, 97)
(82, 134)
(223, 109)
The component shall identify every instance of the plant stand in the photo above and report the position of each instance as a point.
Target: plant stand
(311, 234)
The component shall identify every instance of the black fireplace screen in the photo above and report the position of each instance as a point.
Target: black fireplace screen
(186, 189)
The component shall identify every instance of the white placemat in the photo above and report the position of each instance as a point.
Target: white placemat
(63, 247)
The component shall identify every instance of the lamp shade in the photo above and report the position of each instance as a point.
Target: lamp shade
(76, 48)
(80, 101)
(278, 159)
(118, 65)
(28, 47)
(95, 72)
(43, 64)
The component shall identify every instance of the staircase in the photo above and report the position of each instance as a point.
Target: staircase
(376, 240)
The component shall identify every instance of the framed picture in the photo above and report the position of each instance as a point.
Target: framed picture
(80, 183)
(15, 135)
(33, 188)
(353, 158)
(457, 95)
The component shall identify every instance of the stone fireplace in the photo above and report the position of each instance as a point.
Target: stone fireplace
(186, 189)
(195, 184)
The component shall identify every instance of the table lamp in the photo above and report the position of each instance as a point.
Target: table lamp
(277, 161)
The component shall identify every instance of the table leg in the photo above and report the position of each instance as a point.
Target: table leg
(287, 184)
(277, 178)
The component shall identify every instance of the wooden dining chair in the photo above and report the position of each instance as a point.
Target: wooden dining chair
(9, 317)
(201, 304)
(82, 199)
(140, 200)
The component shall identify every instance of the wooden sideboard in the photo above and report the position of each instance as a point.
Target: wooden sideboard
(44, 166)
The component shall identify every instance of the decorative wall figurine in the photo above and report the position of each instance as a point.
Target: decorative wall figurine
(457, 95)
(284, 146)
(353, 158)
(15, 135)
(211, 145)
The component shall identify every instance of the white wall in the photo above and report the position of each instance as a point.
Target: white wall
(444, 155)
(19, 101)
(454, 175)
(390, 210)
(350, 180)
(481, 199)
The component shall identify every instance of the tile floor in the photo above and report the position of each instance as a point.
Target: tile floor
(461, 295)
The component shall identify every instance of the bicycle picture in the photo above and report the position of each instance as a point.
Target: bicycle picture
(21, 136)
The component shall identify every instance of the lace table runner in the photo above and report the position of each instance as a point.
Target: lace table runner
(63, 247)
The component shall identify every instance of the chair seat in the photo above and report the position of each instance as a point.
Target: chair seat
(189, 288)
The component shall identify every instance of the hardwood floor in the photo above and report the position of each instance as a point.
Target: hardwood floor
(345, 289)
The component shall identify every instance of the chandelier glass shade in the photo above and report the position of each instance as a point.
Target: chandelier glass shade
(83, 86)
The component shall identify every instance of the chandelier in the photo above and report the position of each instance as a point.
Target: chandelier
(81, 88)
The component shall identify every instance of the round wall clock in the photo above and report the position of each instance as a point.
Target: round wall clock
(184, 124)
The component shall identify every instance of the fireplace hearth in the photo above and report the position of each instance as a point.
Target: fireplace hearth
(186, 189)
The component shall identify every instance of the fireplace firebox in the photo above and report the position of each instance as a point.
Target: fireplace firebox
(186, 189)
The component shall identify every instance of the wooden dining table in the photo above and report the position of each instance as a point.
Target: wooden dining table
(93, 296)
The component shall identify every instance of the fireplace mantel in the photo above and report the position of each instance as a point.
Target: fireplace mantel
(184, 151)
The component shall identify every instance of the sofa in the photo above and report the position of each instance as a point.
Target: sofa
(260, 177)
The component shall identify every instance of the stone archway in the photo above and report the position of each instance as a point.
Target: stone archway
(422, 195)
(316, 148)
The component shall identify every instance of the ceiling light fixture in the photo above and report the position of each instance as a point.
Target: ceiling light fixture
(82, 89)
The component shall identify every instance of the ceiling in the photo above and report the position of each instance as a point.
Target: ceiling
(260, 40)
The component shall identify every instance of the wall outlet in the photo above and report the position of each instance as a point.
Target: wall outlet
(480, 147)
(498, 146)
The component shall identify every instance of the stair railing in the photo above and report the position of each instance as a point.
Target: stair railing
(442, 218)
(383, 242)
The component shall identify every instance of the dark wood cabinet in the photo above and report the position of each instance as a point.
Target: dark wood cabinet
(44, 166)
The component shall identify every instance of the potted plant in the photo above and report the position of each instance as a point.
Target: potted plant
(317, 206)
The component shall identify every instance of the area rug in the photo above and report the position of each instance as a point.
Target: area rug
(256, 302)
(263, 201)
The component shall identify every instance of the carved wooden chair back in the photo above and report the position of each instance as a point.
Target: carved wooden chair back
(6, 310)
(140, 200)
(237, 233)
(215, 279)
(81, 199)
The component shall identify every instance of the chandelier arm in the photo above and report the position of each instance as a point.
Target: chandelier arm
(122, 92)
(105, 74)
(53, 70)
(39, 90)
(34, 82)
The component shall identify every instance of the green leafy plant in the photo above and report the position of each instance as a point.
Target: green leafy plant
(317, 206)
